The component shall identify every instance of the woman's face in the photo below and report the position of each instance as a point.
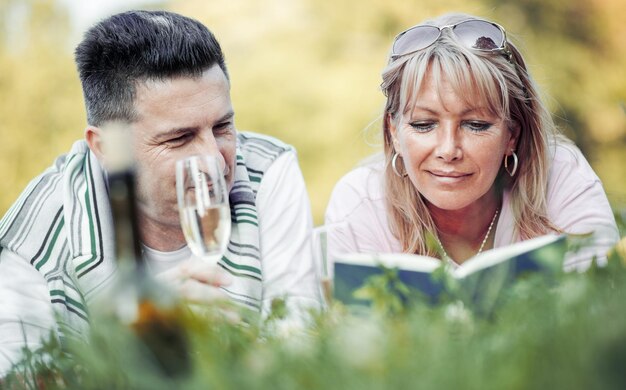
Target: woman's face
(452, 150)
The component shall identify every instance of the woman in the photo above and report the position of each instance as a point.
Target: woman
(471, 155)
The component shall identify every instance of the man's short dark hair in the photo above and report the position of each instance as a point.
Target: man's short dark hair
(137, 46)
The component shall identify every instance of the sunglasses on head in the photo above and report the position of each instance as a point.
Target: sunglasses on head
(475, 34)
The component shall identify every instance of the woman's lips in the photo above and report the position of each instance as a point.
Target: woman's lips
(449, 177)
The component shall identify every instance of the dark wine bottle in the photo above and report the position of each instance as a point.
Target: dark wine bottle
(141, 303)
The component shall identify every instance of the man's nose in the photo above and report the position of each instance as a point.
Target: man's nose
(208, 145)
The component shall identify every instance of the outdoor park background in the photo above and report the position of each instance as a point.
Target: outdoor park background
(307, 72)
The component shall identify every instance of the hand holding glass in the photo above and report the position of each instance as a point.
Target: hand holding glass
(203, 206)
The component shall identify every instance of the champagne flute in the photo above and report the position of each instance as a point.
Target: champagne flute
(203, 206)
(329, 242)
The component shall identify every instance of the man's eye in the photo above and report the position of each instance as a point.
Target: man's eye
(181, 140)
(223, 127)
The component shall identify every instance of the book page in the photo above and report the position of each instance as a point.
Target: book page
(392, 260)
(498, 255)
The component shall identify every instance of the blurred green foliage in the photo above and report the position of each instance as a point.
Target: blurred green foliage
(563, 333)
(308, 72)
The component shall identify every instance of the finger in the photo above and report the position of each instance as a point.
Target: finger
(207, 273)
(198, 292)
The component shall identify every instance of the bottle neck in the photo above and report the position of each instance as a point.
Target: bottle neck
(125, 219)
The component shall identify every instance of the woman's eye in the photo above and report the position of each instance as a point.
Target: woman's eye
(423, 126)
(477, 126)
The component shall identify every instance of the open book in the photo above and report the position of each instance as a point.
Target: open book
(481, 276)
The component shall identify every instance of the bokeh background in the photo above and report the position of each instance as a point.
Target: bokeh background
(308, 72)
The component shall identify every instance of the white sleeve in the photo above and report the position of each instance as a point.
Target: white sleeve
(285, 226)
(578, 204)
(26, 314)
(358, 199)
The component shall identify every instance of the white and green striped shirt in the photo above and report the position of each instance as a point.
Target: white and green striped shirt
(61, 227)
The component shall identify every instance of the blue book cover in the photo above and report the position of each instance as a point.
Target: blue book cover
(480, 277)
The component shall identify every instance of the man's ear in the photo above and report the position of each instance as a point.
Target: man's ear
(93, 136)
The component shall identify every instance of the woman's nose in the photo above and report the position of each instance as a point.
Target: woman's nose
(449, 145)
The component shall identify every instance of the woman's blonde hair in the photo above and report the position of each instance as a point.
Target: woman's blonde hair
(504, 87)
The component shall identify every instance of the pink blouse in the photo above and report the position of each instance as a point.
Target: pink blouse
(576, 203)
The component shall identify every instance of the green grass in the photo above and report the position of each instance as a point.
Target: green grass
(563, 334)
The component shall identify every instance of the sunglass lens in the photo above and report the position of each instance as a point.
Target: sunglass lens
(415, 39)
(478, 34)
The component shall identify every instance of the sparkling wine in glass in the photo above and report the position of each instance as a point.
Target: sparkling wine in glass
(203, 206)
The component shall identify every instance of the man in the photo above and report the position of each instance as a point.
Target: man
(163, 76)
